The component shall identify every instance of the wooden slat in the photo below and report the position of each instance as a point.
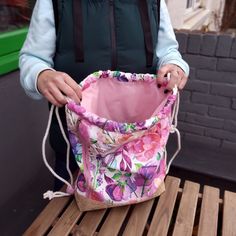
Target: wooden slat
(66, 221)
(187, 209)
(138, 219)
(114, 221)
(89, 224)
(209, 212)
(229, 214)
(46, 218)
(163, 213)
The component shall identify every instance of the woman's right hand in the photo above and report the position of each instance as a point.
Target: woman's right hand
(55, 86)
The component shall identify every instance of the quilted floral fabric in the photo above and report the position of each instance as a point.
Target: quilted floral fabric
(119, 162)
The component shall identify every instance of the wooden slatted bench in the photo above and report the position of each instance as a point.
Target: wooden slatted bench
(179, 212)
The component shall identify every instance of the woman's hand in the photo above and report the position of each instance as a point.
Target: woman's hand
(55, 86)
(177, 77)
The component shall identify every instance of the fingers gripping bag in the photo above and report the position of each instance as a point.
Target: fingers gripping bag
(118, 136)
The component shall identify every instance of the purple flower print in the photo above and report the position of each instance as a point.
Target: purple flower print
(126, 158)
(122, 165)
(73, 139)
(99, 157)
(99, 181)
(115, 192)
(108, 179)
(122, 78)
(92, 166)
(140, 124)
(145, 175)
(81, 183)
(109, 125)
(122, 128)
(132, 186)
(147, 171)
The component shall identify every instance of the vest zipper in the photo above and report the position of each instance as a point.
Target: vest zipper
(113, 35)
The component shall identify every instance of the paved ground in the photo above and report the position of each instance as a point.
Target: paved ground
(19, 212)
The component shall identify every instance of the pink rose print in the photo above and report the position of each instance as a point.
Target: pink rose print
(145, 148)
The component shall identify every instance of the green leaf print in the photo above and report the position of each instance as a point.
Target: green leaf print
(155, 120)
(93, 141)
(128, 174)
(96, 74)
(78, 158)
(138, 166)
(116, 73)
(116, 176)
(81, 167)
(158, 156)
(111, 169)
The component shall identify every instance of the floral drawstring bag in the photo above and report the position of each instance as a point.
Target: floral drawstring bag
(118, 135)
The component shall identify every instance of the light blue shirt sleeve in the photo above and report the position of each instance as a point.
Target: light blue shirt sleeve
(39, 48)
(167, 45)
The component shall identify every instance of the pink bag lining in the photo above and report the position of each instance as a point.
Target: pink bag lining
(125, 102)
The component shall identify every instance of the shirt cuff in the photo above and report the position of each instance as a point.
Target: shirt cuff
(36, 78)
(181, 63)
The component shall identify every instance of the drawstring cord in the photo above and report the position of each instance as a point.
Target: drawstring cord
(70, 189)
(174, 129)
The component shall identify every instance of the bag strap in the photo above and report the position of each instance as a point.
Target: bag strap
(143, 10)
(78, 27)
(70, 189)
(78, 30)
(158, 13)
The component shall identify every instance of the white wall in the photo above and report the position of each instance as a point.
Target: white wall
(210, 15)
(176, 9)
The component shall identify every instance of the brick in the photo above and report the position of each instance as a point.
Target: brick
(234, 104)
(224, 45)
(193, 108)
(211, 142)
(228, 90)
(230, 125)
(230, 147)
(233, 50)
(205, 121)
(216, 76)
(223, 113)
(185, 96)
(197, 86)
(182, 38)
(201, 62)
(192, 73)
(226, 64)
(220, 134)
(194, 43)
(194, 129)
(209, 42)
(181, 116)
(211, 100)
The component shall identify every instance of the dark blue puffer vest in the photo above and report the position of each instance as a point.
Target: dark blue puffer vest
(97, 35)
(106, 34)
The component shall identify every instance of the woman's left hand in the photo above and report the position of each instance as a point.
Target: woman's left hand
(177, 77)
